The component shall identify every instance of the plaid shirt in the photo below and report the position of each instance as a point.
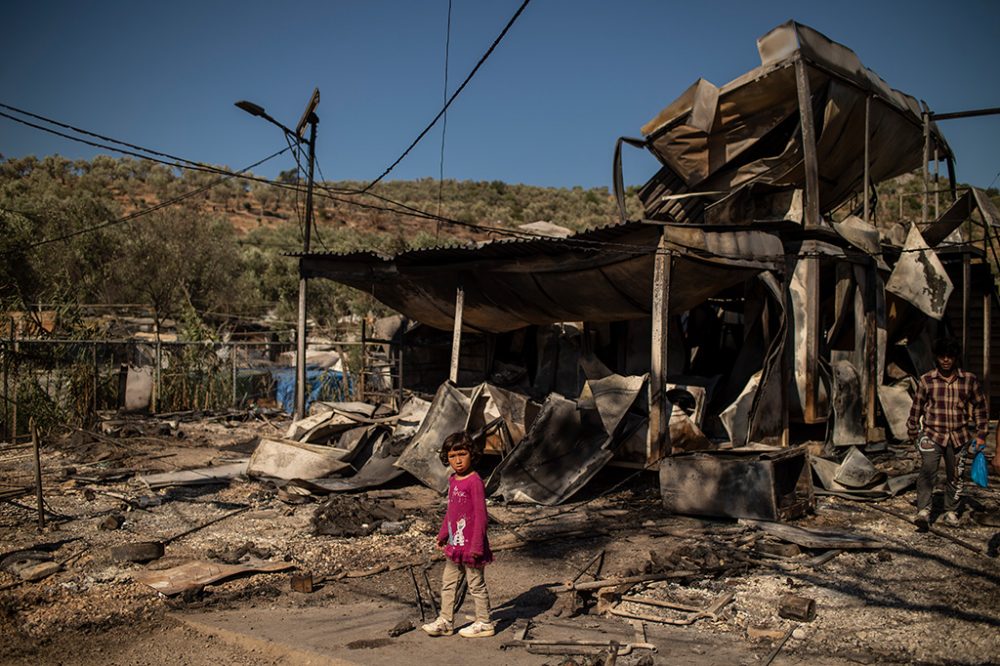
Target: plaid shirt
(946, 408)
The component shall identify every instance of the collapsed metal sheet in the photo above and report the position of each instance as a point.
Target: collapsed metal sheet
(755, 413)
(896, 404)
(197, 477)
(378, 470)
(746, 133)
(410, 417)
(492, 402)
(359, 409)
(848, 416)
(860, 234)
(920, 278)
(563, 450)
(827, 472)
(856, 471)
(614, 396)
(285, 459)
(736, 417)
(448, 414)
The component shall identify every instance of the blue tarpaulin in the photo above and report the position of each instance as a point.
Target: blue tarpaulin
(322, 385)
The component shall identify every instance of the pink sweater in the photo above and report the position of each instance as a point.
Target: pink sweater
(465, 522)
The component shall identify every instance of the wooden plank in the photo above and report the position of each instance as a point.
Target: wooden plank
(814, 538)
(966, 279)
(808, 131)
(456, 336)
(659, 415)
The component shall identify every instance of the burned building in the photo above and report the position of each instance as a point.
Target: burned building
(753, 301)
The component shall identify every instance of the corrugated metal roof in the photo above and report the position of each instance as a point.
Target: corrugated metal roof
(596, 239)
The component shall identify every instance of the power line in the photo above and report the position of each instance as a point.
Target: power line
(402, 209)
(182, 163)
(444, 120)
(98, 136)
(146, 211)
(195, 166)
(457, 92)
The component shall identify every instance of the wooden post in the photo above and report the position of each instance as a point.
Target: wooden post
(97, 379)
(927, 158)
(13, 346)
(966, 279)
(456, 336)
(987, 332)
(38, 474)
(232, 352)
(808, 129)
(811, 267)
(659, 406)
(867, 174)
(937, 187)
(871, 346)
(399, 363)
(787, 349)
(156, 375)
(869, 297)
(364, 361)
(8, 352)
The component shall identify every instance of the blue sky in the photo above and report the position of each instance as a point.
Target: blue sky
(570, 77)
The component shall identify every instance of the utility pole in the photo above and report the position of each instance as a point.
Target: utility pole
(309, 118)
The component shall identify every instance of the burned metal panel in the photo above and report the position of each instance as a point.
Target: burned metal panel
(613, 396)
(558, 370)
(380, 468)
(736, 416)
(949, 221)
(196, 477)
(767, 485)
(987, 208)
(848, 412)
(563, 450)
(287, 459)
(896, 404)
(752, 393)
(920, 278)
(848, 357)
(752, 140)
(855, 476)
(448, 414)
(490, 404)
(550, 281)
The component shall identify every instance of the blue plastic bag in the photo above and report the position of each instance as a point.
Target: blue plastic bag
(978, 473)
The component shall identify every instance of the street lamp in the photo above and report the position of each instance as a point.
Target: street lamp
(309, 118)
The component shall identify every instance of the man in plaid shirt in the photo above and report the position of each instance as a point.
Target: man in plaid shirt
(947, 399)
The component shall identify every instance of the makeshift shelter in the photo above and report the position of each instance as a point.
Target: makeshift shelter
(754, 278)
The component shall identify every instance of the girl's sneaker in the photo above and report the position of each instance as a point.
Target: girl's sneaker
(477, 630)
(439, 627)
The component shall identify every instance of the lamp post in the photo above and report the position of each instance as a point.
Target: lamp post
(309, 118)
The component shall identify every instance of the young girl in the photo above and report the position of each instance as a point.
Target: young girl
(463, 538)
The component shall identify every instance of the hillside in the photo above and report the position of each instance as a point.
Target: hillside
(205, 248)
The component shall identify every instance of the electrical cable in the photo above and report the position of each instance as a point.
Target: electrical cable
(458, 91)
(444, 119)
(146, 211)
(97, 136)
(331, 194)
